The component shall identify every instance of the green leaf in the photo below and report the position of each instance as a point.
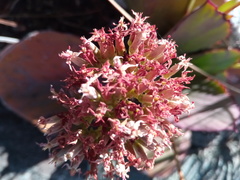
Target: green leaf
(207, 86)
(201, 29)
(216, 61)
(228, 6)
(164, 14)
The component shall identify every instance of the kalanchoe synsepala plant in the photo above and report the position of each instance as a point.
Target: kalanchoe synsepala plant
(120, 94)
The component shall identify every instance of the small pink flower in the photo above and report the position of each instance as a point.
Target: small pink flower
(119, 98)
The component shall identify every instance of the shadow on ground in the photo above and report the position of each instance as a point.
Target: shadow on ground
(18, 139)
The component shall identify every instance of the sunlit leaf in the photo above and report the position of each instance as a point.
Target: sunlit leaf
(201, 29)
(216, 61)
(228, 6)
(29, 68)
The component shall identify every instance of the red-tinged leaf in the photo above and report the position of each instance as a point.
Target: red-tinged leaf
(28, 68)
(165, 13)
(211, 113)
(216, 61)
(201, 29)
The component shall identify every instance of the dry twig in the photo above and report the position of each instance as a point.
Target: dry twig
(121, 10)
(8, 23)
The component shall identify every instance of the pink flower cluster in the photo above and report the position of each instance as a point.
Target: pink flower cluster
(119, 97)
